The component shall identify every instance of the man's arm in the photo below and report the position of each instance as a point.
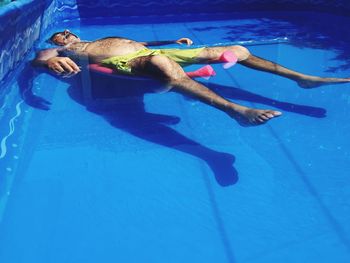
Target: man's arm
(180, 41)
(44, 55)
(49, 58)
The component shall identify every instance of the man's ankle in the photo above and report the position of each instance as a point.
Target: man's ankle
(236, 109)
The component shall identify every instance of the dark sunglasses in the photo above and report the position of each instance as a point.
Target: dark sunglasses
(67, 33)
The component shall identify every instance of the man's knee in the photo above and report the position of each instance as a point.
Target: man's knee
(159, 60)
(241, 52)
(164, 67)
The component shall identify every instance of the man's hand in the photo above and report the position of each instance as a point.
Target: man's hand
(184, 40)
(63, 65)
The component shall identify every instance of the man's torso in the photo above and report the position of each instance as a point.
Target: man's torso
(103, 48)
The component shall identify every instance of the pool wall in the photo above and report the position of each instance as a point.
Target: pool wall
(22, 22)
(103, 8)
(20, 25)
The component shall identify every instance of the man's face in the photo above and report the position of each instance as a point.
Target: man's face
(64, 38)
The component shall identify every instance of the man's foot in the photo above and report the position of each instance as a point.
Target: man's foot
(314, 82)
(249, 116)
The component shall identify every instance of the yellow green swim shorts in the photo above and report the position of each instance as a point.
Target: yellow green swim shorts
(181, 56)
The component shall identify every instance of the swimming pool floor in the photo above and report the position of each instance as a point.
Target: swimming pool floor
(164, 178)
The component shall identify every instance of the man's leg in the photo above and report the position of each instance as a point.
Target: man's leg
(170, 73)
(212, 54)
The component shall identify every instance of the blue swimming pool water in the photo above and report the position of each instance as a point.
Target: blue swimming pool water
(151, 179)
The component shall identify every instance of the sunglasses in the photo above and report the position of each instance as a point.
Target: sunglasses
(66, 33)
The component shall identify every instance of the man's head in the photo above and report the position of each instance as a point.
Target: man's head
(63, 38)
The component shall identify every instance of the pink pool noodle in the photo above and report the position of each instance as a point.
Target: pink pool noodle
(100, 69)
(229, 57)
(206, 71)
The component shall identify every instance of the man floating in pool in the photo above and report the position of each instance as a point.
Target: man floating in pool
(131, 57)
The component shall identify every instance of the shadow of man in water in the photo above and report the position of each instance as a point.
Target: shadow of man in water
(128, 114)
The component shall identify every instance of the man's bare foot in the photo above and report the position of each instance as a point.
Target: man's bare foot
(314, 82)
(249, 116)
